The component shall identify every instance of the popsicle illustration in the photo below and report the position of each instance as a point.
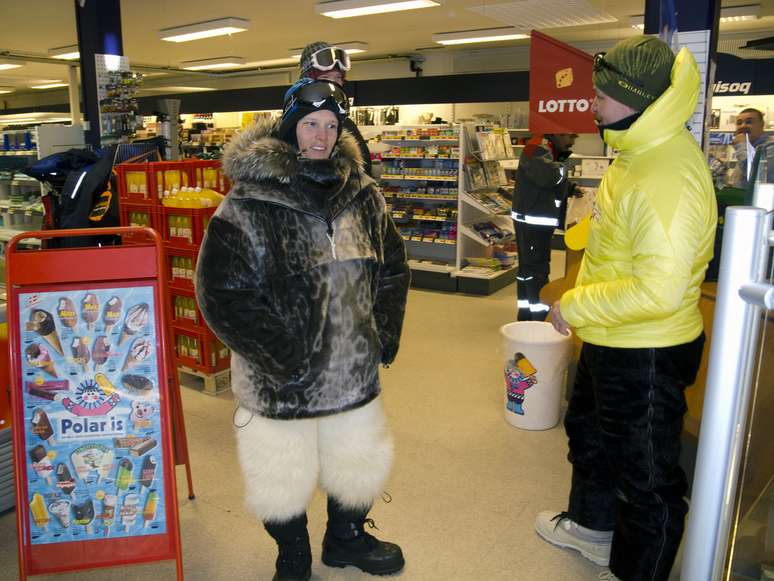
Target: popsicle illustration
(65, 310)
(100, 351)
(129, 511)
(124, 477)
(60, 508)
(109, 511)
(39, 356)
(80, 351)
(43, 324)
(111, 313)
(64, 480)
(140, 350)
(151, 505)
(147, 471)
(39, 511)
(136, 318)
(41, 463)
(84, 514)
(90, 310)
(42, 426)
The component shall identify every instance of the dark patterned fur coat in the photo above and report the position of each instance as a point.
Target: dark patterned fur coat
(303, 275)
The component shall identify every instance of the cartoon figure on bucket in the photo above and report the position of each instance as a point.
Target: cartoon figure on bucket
(520, 375)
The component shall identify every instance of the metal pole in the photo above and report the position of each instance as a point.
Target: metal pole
(726, 399)
(75, 100)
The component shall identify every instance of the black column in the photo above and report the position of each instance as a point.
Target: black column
(99, 32)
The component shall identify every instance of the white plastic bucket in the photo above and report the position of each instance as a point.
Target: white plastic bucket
(535, 371)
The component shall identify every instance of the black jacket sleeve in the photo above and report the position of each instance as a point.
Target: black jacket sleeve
(392, 291)
(538, 164)
(234, 296)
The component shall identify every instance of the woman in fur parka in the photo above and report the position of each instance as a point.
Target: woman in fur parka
(303, 275)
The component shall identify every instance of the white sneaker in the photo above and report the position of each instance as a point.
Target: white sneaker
(560, 530)
(607, 576)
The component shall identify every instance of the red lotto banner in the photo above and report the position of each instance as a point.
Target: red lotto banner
(92, 408)
(560, 87)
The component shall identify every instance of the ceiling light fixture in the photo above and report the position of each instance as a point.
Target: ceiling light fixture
(6, 90)
(53, 85)
(350, 8)
(223, 62)
(637, 22)
(8, 66)
(66, 53)
(352, 47)
(740, 13)
(207, 29)
(480, 35)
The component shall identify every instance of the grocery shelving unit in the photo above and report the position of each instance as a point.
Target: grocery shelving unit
(420, 176)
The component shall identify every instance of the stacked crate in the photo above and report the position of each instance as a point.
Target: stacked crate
(141, 187)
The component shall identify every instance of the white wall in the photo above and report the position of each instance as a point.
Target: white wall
(731, 106)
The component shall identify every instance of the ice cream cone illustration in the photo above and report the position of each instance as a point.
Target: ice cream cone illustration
(140, 351)
(61, 510)
(111, 313)
(42, 426)
(39, 356)
(109, 511)
(39, 511)
(129, 511)
(43, 323)
(90, 310)
(65, 310)
(100, 351)
(80, 351)
(136, 318)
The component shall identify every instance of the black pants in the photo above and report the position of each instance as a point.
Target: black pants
(624, 424)
(534, 247)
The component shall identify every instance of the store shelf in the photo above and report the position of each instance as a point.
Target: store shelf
(405, 178)
(418, 157)
(430, 197)
(468, 199)
(480, 273)
(7, 233)
(24, 153)
(403, 139)
(427, 266)
(472, 234)
(402, 216)
(436, 242)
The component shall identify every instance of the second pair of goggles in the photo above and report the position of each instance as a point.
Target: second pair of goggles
(326, 59)
(315, 94)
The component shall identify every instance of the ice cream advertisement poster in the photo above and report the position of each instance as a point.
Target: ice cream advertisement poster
(92, 420)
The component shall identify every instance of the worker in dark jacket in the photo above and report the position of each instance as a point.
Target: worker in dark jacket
(321, 61)
(539, 205)
(303, 275)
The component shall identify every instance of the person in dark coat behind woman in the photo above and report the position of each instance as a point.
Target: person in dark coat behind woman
(303, 275)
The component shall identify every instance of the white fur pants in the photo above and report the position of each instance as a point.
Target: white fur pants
(350, 452)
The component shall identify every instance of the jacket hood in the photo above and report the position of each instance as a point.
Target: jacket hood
(667, 115)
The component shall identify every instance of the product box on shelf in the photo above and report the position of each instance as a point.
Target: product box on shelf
(145, 183)
(181, 264)
(207, 174)
(200, 350)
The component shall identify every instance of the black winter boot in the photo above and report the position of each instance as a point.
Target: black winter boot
(347, 543)
(294, 562)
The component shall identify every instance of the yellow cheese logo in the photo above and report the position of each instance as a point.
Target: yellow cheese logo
(564, 78)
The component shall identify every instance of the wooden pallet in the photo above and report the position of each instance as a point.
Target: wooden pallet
(214, 383)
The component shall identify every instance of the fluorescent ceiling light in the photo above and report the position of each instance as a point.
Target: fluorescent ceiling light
(174, 89)
(207, 29)
(7, 66)
(50, 86)
(637, 22)
(5, 90)
(352, 47)
(273, 62)
(65, 52)
(740, 13)
(480, 35)
(223, 62)
(349, 8)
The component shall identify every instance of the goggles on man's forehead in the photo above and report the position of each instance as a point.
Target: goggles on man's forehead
(326, 59)
(600, 63)
(317, 93)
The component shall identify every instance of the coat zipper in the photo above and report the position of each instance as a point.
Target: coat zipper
(329, 232)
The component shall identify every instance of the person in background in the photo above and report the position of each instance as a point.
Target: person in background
(321, 61)
(636, 308)
(749, 127)
(303, 275)
(539, 206)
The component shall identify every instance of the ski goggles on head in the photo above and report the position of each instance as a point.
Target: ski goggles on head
(600, 63)
(326, 59)
(316, 94)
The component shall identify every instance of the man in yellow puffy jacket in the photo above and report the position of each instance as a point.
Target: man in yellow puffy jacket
(635, 305)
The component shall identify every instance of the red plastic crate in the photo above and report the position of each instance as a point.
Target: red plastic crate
(200, 350)
(139, 215)
(145, 183)
(184, 310)
(181, 265)
(184, 226)
(208, 174)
